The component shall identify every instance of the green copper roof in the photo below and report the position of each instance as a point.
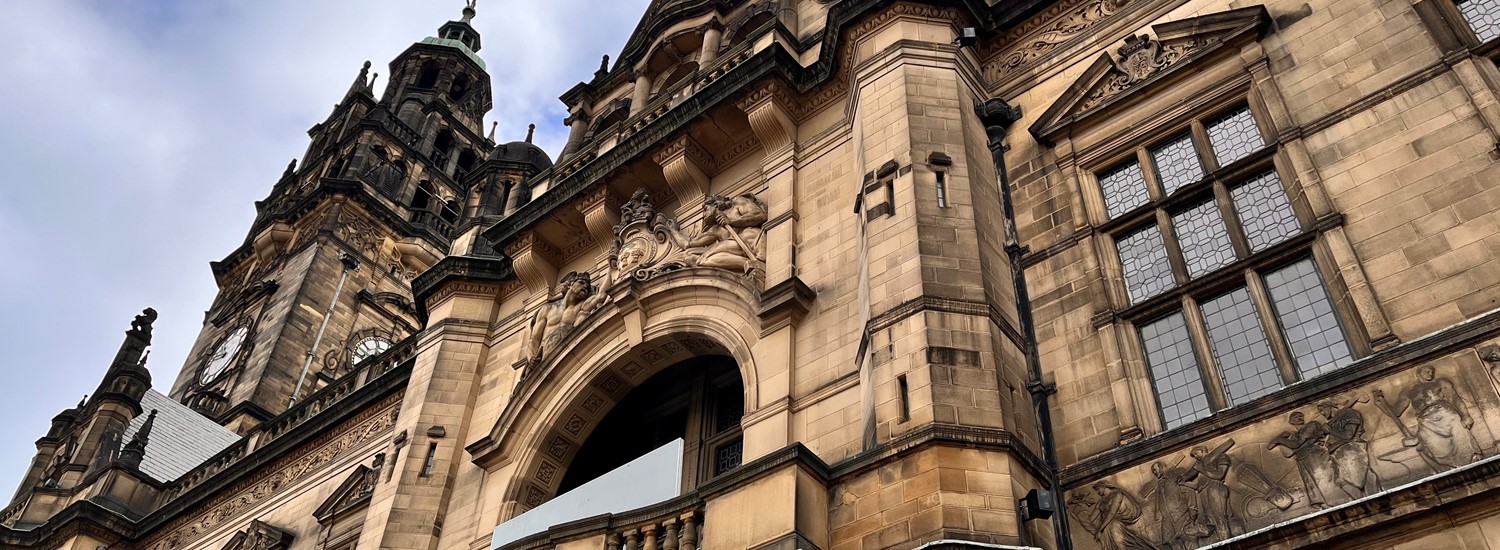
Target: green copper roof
(457, 45)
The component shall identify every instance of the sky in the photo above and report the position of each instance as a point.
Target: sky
(135, 136)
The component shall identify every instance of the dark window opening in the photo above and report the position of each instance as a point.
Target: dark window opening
(904, 395)
(942, 189)
(700, 400)
(442, 148)
(466, 161)
(450, 211)
(459, 88)
(427, 77)
(431, 461)
(422, 198)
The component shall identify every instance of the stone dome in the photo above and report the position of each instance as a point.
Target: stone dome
(521, 152)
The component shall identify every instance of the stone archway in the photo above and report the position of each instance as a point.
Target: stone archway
(544, 459)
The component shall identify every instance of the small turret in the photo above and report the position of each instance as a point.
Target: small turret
(127, 379)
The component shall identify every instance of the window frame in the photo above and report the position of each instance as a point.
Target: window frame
(1247, 270)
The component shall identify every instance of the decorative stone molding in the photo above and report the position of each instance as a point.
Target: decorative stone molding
(601, 212)
(686, 166)
(534, 260)
(648, 243)
(1046, 31)
(1143, 61)
(260, 536)
(277, 476)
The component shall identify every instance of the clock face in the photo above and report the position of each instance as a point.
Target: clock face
(224, 355)
(367, 348)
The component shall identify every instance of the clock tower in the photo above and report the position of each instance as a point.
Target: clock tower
(386, 188)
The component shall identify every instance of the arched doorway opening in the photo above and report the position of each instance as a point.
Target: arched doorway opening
(700, 400)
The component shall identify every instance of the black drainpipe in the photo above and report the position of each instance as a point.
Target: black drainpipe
(997, 116)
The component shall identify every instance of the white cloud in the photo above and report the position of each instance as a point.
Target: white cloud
(138, 133)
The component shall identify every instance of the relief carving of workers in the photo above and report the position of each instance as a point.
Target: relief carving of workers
(1309, 449)
(1442, 434)
(576, 297)
(1348, 448)
(1210, 469)
(732, 236)
(1110, 514)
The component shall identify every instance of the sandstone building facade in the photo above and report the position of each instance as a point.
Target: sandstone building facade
(1095, 274)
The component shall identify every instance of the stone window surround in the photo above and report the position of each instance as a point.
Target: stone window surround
(1218, 83)
(1184, 296)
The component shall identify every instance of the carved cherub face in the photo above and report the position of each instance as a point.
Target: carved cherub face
(1199, 451)
(1296, 419)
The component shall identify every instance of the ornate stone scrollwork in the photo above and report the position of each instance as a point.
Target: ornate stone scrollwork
(649, 243)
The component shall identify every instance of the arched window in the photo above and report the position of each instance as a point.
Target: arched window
(677, 74)
(607, 122)
(459, 88)
(427, 77)
(422, 198)
(442, 149)
(700, 400)
(466, 161)
(450, 211)
(745, 29)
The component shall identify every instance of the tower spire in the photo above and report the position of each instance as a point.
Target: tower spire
(469, 11)
(362, 82)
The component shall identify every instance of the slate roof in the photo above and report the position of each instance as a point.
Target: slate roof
(180, 440)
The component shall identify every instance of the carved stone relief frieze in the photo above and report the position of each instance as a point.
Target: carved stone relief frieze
(208, 516)
(649, 243)
(1046, 31)
(1355, 444)
(1139, 59)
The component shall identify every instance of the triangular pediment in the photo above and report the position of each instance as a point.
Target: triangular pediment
(1143, 62)
(260, 536)
(353, 492)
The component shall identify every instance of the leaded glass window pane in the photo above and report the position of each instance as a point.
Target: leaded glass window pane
(1264, 211)
(1143, 256)
(728, 456)
(1174, 370)
(1124, 188)
(1177, 163)
(1307, 318)
(1483, 16)
(1204, 238)
(1240, 347)
(1234, 135)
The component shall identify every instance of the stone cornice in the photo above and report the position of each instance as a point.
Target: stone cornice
(438, 281)
(771, 62)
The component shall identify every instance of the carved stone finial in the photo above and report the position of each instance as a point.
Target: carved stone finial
(134, 451)
(142, 323)
(603, 68)
(470, 11)
(291, 168)
(530, 132)
(493, 126)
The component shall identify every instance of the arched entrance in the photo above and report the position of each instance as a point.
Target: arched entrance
(700, 400)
